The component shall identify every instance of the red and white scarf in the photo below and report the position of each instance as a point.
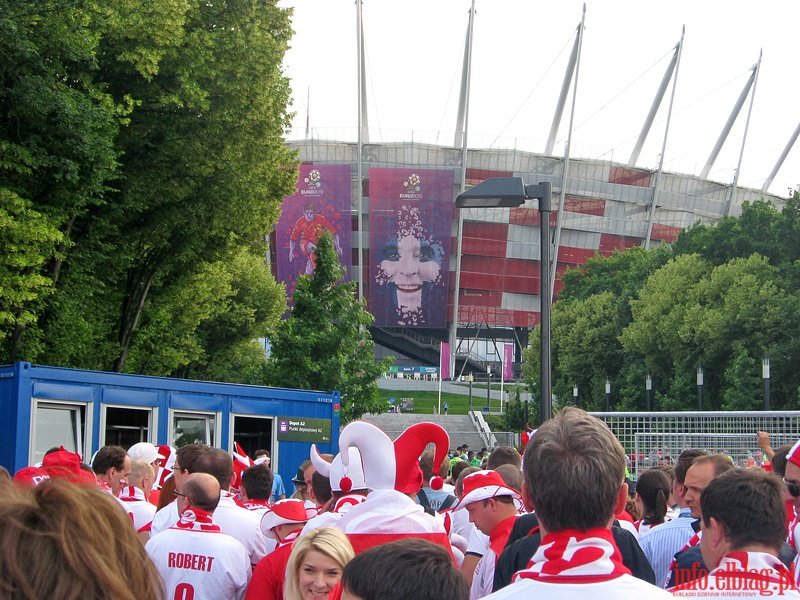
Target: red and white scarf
(234, 497)
(572, 556)
(196, 520)
(758, 566)
(130, 493)
(289, 539)
(256, 504)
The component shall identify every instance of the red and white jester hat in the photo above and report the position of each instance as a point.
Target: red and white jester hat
(388, 465)
(354, 480)
(482, 485)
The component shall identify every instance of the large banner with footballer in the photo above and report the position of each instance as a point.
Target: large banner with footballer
(410, 220)
(321, 202)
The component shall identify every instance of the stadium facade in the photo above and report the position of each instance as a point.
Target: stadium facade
(607, 206)
(477, 272)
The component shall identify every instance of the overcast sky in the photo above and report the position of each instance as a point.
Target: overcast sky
(414, 52)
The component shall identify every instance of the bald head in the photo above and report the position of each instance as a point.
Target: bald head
(202, 490)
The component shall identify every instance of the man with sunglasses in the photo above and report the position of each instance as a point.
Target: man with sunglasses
(792, 481)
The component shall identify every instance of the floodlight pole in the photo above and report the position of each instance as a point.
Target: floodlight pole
(497, 192)
(544, 193)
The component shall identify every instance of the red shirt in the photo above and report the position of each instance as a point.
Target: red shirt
(269, 574)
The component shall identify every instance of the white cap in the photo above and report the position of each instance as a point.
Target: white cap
(144, 451)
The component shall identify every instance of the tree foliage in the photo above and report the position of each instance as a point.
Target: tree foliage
(141, 163)
(721, 296)
(325, 344)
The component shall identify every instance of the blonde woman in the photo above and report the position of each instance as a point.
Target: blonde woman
(316, 564)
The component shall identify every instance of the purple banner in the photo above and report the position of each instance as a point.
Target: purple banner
(508, 361)
(444, 360)
(321, 202)
(410, 220)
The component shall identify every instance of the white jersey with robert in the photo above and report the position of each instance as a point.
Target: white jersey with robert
(201, 565)
(238, 522)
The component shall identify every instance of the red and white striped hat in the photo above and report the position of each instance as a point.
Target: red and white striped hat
(482, 485)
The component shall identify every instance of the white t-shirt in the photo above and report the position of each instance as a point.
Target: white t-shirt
(202, 565)
(242, 524)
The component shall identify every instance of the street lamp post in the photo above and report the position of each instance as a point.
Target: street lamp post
(512, 192)
(765, 375)
(699, 386)
(574, 393)
(648, 386)
(608, 395)
(488, 389)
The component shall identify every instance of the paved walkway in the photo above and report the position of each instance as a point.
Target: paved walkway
(460, 428)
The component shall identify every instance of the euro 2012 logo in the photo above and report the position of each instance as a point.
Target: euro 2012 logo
(414, 183)
(314, 179)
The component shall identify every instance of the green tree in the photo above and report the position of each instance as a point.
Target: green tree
(514, 418)
(325, 344)
(147, 147)
(743, 390)
(57, 154)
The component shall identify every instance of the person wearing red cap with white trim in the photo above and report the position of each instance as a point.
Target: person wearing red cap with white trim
(194, 557)
(31, 476)
(391, 472)
(490, 504)
(283, 522)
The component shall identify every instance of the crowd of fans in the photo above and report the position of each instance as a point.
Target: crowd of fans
(402, 519)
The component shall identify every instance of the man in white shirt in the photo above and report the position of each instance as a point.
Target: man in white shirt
(234, 520)
(491, 507)
(575, 481)
(134, 498)
(194, 557)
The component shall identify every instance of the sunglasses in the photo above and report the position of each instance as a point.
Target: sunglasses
(794, 488)
(185, 496)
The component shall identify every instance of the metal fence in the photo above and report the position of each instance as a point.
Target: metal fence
(653, 438)
(506, 438)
